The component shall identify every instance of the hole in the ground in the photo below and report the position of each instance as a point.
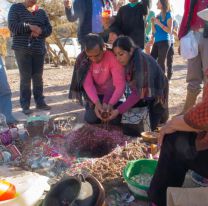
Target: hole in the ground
(93, 141)
(102, 148)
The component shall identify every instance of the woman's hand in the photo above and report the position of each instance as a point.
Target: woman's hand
(175, 124)
(167, 129)
(98, 109)
(157, 21)
(35, 30)
(113, 114)
(153, 20)
(107, 107)
(67, 4)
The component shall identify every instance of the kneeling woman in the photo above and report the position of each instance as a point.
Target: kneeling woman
(145, 81)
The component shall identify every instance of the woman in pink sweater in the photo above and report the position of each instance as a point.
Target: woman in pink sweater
(104, 83)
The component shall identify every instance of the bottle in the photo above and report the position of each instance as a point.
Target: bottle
(5, 133)
(106, 11)
(108, 8)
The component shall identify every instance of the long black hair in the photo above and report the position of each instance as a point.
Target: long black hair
(125, 43)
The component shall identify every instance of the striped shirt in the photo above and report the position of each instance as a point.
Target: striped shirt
(18, 19)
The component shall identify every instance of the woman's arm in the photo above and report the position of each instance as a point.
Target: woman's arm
(46, 28)
(72, 11)
(167, 28)
(153, 24)
(175, 124)
(90, 89)
(132, 99)
(15, 25)
(119, 82)
(116, 25)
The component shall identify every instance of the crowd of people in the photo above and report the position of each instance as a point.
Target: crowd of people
(130, 74)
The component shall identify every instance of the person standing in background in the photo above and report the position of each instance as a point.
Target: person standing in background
(5, 95)
(29, 26)
(88, 12)
(161, 28)
(149, 39)
(171, 50)
(130, 21)
(197, 65)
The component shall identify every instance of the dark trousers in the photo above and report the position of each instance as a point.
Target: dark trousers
(159, 52)
(91, 118)
(178, 155)
(30, 69)
(170, 61)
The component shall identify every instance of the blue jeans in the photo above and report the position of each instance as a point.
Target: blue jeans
(31, 70)
(5, 95)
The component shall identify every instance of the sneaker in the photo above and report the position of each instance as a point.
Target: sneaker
(43, 106)
(199, 179)
(26, 111)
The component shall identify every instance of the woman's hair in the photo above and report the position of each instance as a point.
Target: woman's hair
(165, 7)
(125, 43)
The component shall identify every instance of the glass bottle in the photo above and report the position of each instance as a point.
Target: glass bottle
(5, 133)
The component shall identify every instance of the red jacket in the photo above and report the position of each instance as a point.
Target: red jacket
(183, 28)
(191, 7)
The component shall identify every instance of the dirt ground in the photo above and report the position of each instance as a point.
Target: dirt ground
(56, 84)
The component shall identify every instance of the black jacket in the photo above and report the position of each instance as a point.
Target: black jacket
(130, 21)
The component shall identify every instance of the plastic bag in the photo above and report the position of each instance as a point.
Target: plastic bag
(189, 46)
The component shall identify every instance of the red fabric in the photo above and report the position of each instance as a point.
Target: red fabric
(182, 30)
(197, 117)
(196, 22)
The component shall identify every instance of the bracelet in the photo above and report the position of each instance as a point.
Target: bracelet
(163, 27)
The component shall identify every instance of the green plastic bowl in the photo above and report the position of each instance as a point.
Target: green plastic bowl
(138, 167)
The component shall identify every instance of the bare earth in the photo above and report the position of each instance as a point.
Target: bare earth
(56, 84)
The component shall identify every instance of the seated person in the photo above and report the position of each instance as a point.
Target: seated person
(184, 142)
(145, 80)
(5, 96)
(98, 77)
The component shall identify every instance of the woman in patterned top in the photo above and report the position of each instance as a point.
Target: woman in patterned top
(146, 84)
(29, 26)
